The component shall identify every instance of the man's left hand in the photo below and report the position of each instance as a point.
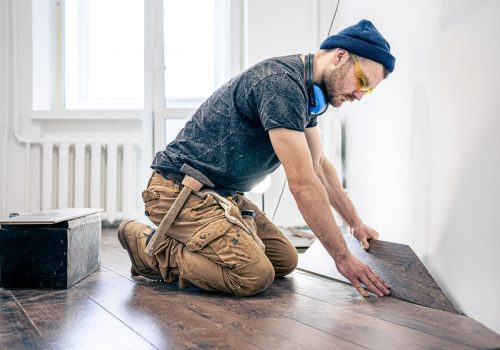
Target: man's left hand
(363, 233)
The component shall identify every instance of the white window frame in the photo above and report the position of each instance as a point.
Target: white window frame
(58, 111)
(230, 62)
(154, 111)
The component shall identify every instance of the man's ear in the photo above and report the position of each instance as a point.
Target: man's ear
(340, 56)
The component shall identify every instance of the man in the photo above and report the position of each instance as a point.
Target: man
(258, 120)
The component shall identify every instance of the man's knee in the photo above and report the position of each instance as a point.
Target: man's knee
(288, 263)
(254, 279)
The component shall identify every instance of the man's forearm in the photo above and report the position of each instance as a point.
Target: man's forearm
(312, 201)
(336, 194)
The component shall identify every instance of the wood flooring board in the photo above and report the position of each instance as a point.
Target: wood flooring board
(231, 315)
(165, 324)
(258, 324)
(397, 264)
(16, 329)
(372, 323)
(364, 330)
(443, 324)
(72, 320)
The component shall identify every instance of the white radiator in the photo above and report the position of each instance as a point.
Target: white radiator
(96, 173)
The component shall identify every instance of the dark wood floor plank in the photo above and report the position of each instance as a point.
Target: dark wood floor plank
(16, 329)
(396, 263)
(165, 324)
(69, 319)
(364, 330)
(110, 309)
(405, 336)
(258, 324)
(443, 324)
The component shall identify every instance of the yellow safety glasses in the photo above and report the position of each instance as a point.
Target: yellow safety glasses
(361, 79)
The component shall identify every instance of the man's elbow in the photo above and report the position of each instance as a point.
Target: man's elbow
(318, 169)
(300, 188)
(319, 164)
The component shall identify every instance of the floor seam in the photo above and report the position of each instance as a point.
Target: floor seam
(117, 318)
(310, 326)
(31, 321)
(164, 298)
(389, 321)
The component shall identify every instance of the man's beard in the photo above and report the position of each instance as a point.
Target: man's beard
(333, 82)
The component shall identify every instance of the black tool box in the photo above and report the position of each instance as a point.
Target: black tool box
(51, 249)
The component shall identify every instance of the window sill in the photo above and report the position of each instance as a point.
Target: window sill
(105, 114)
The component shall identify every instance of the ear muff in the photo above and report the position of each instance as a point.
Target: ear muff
(316, 96)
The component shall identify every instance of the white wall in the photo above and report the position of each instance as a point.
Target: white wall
(424, 159)
(3, 102)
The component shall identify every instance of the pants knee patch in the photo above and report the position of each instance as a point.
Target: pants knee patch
(256, 278)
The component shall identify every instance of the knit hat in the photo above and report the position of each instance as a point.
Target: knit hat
(363, 39)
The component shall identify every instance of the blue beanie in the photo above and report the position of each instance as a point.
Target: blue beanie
(363, 39)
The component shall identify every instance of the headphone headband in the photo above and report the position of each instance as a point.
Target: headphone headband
(309, 79)
(316, 105)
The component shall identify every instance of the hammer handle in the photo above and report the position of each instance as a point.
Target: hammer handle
(165, 224)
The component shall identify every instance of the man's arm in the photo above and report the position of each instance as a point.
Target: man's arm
(336, 194)
(312, 200)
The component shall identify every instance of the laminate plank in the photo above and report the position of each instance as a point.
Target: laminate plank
(70, 319)
(363, 330)
(16, 329)
(252, 325)
(257, 324)
(165, 324)
(457, 328)
(396, 263)
(354, 320)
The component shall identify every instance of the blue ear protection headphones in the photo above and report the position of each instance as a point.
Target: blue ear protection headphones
(316, 96)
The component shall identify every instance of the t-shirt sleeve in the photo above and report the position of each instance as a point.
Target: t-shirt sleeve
(280, 103)
(313, 122)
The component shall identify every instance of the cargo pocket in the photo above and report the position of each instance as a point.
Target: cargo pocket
(151, 205)
(209, 242)
(225, 244)
(149, 195)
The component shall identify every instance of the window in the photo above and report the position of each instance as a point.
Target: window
(88, 54)
(103, 54)
(194, 50)
(163, 57)
(172, 128)
(197, 53)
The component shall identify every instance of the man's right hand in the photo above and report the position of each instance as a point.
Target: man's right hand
(358, 273)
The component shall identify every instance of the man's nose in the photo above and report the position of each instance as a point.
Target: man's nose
(358, 95)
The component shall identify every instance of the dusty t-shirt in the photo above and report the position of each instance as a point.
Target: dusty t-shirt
(227, 138)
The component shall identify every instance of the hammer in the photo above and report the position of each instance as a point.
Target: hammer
(193, 181)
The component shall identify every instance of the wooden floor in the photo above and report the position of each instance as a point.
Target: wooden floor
(110, 310)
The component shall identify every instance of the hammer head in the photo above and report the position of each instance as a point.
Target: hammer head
(195, 174)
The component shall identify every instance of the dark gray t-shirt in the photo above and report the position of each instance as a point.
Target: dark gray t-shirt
(227, 139)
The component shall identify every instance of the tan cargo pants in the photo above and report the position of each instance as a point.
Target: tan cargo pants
(210, 245)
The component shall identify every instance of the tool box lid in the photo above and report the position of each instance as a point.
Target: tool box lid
(49, 217)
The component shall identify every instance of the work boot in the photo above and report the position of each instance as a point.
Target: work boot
(133, 237)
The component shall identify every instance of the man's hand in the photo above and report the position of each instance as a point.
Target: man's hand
(359, 273)
(363, 233)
